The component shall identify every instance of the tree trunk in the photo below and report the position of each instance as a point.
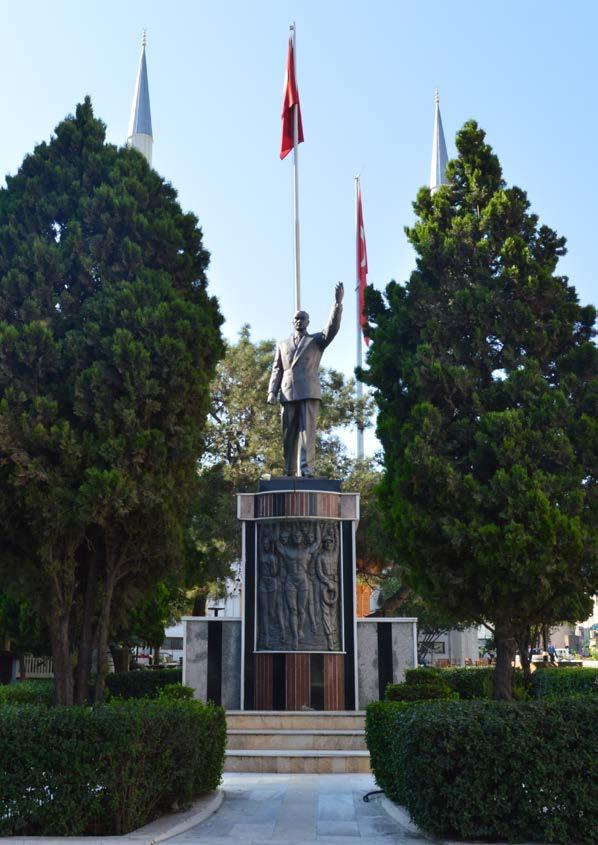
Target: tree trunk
(156, 660)
(22, 669)
(524, 640)
(199, 604)
(85, 643)
(104, 632)
(61, 653)
(503, 673)
(121, 657)
(61, 568)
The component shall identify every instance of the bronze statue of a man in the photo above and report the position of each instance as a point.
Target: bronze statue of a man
(295, 374)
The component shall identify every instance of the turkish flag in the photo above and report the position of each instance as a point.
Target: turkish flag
(362, 266)
(290, 99)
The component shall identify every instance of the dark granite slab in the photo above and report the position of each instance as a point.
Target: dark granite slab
(297, 484)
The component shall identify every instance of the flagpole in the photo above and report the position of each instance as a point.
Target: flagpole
(296, 180)
(358, 345)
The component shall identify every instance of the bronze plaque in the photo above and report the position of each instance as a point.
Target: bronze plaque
(298, 586)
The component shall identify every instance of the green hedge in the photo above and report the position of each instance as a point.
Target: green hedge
(69, 771)
(381, 718)
(423, 684)
(564, 682)
(469, 681)
(475, 681)
(491, 770)
(142, 683)
(418, 692)
(423, 675)
(176, 692)
(28, 692)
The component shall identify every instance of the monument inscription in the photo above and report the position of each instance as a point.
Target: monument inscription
(298, 586)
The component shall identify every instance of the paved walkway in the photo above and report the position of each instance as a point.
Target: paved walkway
(273, 809)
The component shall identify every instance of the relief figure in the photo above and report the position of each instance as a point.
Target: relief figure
(295, 557)
(309, 532)
(269, 591)
(327, 572)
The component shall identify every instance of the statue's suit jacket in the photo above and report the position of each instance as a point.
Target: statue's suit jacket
(295, 369)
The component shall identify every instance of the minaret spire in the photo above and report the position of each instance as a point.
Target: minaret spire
(140, 123)
(439, 155)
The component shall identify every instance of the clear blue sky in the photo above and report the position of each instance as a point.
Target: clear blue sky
(527, 71)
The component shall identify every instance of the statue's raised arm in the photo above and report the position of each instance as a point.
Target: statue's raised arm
(331, 328)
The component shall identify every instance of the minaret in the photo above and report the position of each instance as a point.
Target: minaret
(140, 124)
(439, 156)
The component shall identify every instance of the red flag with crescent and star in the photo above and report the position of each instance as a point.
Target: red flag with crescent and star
(290, 99)
(362, 266)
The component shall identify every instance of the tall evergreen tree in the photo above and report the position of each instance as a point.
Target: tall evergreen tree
(108, 343)
(485, 376)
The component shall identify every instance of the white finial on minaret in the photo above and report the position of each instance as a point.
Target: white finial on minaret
(140, 124)
(439, 154)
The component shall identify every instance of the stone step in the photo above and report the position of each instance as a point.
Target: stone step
(300, 761)
(296, 719)
(320, 740)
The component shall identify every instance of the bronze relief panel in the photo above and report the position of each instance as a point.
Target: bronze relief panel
(298, 586)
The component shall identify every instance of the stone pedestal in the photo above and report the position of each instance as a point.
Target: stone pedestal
(298, 644)
(299, 596)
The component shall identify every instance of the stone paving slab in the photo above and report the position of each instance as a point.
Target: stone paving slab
(299, 809)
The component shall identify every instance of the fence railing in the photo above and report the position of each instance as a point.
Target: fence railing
(38, 667)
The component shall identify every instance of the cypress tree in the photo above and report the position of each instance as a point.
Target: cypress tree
(484, 372)
(108, 342)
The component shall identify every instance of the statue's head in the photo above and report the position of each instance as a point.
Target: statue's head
(301, 321)
(266, 542)
(297, 536)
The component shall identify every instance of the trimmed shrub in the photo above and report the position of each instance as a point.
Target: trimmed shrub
(176, 692)
(424, 675)
(470, 682)
(491, 770)
(142, 683)
(476, 681)
(69, 771)
(381, 721)
(564, 682)
(418, 692)
(28, 692)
